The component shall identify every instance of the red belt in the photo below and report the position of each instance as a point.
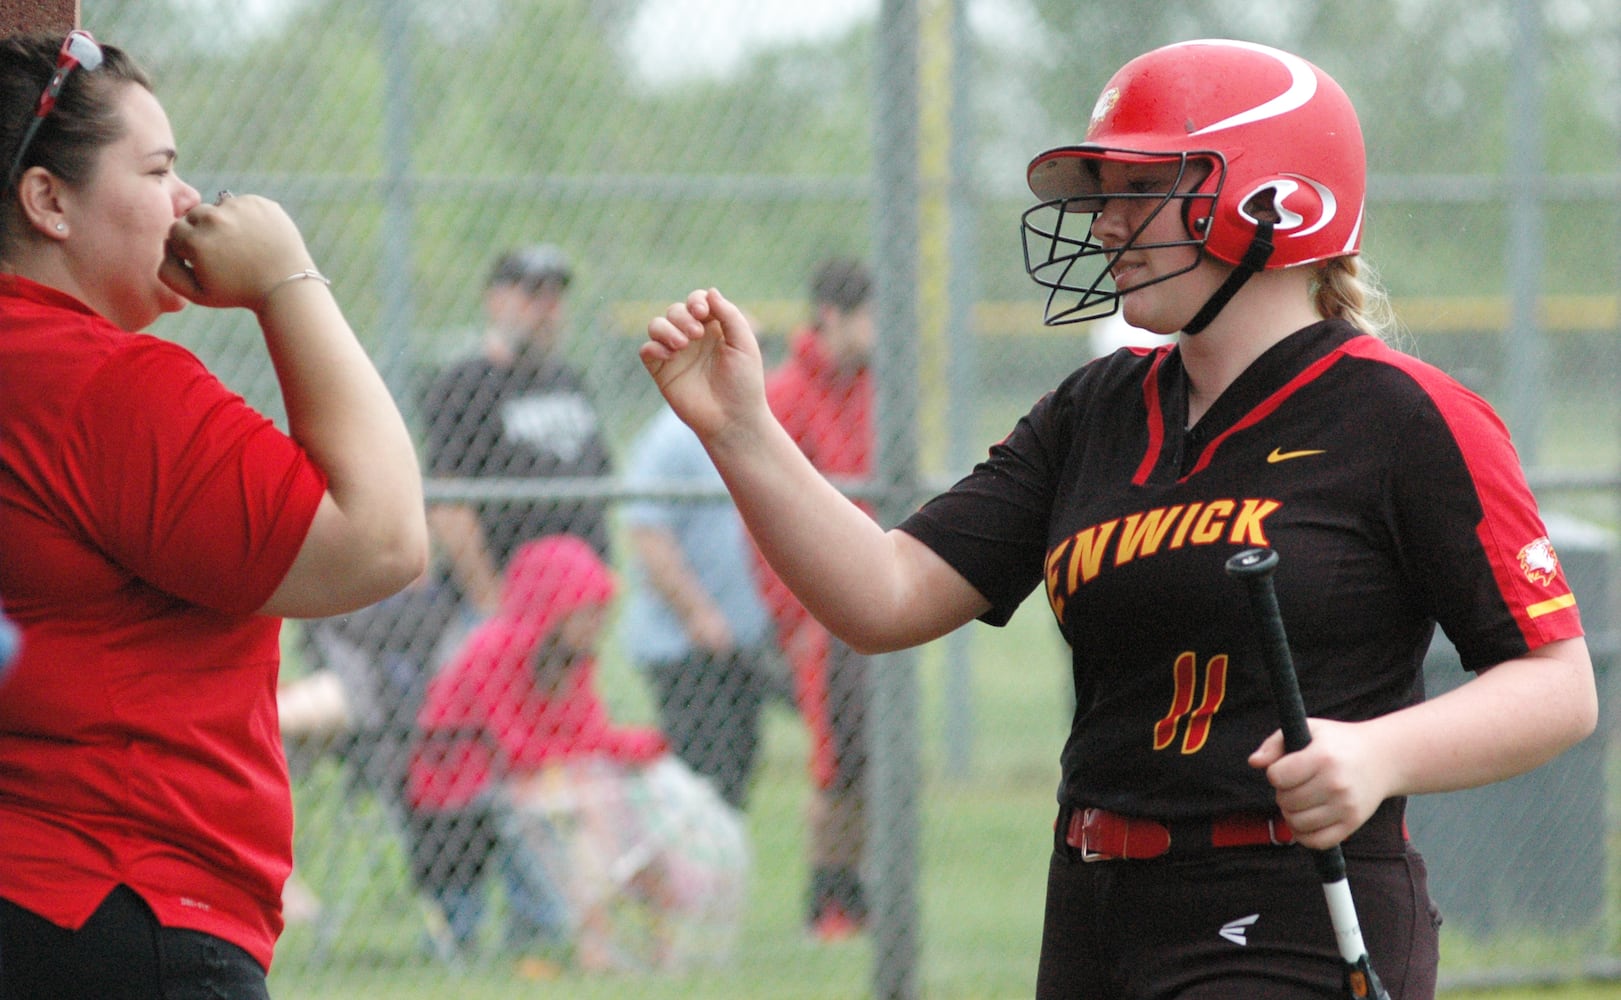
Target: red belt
(1101, 835)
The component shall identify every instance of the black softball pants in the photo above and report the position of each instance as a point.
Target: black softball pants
(1245, 922)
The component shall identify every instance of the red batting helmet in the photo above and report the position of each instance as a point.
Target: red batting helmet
(1263, 120)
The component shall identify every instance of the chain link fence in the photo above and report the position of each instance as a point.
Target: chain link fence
(659, 146)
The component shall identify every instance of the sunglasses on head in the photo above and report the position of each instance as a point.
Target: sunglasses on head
(79, 51)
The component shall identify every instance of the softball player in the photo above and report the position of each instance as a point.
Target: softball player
(1216, 198)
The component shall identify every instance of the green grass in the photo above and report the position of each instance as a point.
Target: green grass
(981, 925)
(983, 855)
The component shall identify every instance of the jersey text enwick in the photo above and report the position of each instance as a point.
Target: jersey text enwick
(1077, 560)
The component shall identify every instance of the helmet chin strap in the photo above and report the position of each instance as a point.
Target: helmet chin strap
(1255, 259)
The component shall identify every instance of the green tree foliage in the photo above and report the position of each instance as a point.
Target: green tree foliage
(528, 119)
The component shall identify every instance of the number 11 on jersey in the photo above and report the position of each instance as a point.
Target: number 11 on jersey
(1186, 675)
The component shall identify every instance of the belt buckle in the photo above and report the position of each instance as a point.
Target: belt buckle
(1272, 832)
(1087, 853)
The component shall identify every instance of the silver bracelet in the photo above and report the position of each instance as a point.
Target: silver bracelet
(308, 272)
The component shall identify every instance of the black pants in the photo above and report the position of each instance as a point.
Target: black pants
(848, 696)
(121, 953)
(709, 709)
(1235, 922)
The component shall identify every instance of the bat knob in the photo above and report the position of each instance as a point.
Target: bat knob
(1252, 564)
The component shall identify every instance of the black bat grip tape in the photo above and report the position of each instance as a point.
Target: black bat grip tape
(1254, 567)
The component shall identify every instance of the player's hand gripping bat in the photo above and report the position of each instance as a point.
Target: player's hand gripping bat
(1254, 567)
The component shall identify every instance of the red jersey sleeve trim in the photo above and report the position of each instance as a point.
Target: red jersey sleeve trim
(1529, 578)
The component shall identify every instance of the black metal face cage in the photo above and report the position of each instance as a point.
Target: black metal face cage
(1057, 237)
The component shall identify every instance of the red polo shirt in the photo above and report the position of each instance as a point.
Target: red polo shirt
(145, 512)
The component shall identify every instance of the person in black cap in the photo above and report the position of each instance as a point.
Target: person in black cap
(514, 409)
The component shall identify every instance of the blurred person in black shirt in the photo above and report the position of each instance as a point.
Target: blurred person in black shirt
(514, 409)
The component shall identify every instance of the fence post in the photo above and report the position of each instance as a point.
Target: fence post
(962, 364)
(1526, 371)
(399, 207)
(892, 721)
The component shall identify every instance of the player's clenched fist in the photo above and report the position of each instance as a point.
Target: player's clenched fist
(705, 359)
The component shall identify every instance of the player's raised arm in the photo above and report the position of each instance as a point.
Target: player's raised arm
(865, 584)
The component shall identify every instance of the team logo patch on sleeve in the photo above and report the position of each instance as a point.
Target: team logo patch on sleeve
(1539, 562)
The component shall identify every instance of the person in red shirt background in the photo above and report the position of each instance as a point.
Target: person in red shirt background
(156, 530)
(823, 396)
(519, 695)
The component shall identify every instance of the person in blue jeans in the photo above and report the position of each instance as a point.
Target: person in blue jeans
(452, 855)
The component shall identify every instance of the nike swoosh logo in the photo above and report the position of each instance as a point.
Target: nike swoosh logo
(1279, 455)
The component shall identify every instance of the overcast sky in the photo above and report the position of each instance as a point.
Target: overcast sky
(670, 40)
(667, 34)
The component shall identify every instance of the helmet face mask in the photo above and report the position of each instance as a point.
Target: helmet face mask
(1272, 129)
(1063, 255)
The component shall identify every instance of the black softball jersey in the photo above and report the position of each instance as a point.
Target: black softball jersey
(1391, 494)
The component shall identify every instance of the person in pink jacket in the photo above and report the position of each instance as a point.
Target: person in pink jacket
(518, 696)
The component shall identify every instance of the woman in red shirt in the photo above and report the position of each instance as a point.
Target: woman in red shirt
(156, 529)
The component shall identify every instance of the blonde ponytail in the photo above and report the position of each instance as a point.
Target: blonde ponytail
(1346, 288)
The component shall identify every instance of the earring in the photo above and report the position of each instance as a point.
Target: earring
(61, 227)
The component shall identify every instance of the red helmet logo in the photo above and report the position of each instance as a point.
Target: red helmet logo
(1106, 102)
